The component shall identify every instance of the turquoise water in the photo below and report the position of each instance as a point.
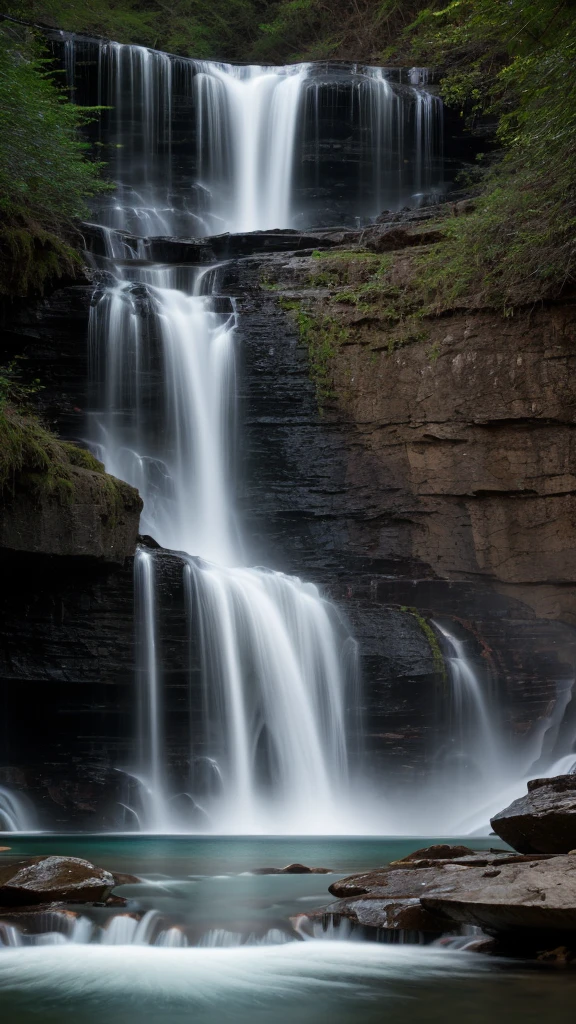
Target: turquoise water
(201, 883)
(214, 855)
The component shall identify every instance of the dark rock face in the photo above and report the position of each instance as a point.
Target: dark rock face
(67, 656)
(48, 879)
(544, 821)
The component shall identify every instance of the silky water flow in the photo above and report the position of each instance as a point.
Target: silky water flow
(278, 664)
(277, 661)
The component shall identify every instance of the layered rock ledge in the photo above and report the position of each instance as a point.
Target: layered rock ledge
(525, 900)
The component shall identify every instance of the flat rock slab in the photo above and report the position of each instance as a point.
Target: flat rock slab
(543, 821)
(410, 876)
(537, 895)
(49, 879)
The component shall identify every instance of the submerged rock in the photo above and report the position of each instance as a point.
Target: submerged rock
(544, 821)
(293, 869)
(54, 879)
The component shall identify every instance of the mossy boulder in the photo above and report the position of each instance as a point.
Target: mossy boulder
(56, 498)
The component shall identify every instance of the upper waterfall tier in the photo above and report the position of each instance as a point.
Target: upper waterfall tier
(199, 147)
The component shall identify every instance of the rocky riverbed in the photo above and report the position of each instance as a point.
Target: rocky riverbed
(518, 902)
(523, 903)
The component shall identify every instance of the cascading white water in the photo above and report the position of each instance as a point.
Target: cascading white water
(198, 147)
(477, 748)
(247, 123)
(15, 815)
(273, 652)
(150, 703)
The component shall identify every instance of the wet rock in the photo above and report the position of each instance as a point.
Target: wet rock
(122, 878)
(293, 869)
(398, 238)
(561, 956)
(441, 851)
(406, 915)
(405, 877)
(544, 821)
(178, 250)
(526, 896)
(227, 246)
(47, 879)
(98, 518)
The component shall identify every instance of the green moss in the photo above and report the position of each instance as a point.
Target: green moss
(322, 336)
(431, 637)
(32, 459)
(81, 457)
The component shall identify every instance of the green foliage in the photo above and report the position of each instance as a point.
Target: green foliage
(223, 29)
(323, 29)
(519, 244)
(32, 457)
(13, 385)
(378, 310)
(322, 335)
(35, 462)
(45, 176)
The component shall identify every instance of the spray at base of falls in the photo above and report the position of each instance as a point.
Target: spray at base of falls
(478, 766)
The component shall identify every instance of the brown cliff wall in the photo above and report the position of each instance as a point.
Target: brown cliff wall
(467, 438)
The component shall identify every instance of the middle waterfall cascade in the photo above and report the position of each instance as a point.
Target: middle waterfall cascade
(277, 662)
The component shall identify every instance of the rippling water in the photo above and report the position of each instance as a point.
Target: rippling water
(202, 883)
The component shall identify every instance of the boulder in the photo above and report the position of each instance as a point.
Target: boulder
(544, 821)
(122, 878)
(98, 518)
(441, 851)
(537, 895)
(48, 879)
(292, 869)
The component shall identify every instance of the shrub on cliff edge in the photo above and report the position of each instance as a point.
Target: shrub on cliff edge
(45, 176)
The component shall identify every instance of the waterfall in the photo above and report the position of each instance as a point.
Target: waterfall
(247, 121)
(199, 147)
(274, 654)
(477, 748)
(150, 705)
(15, 815)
